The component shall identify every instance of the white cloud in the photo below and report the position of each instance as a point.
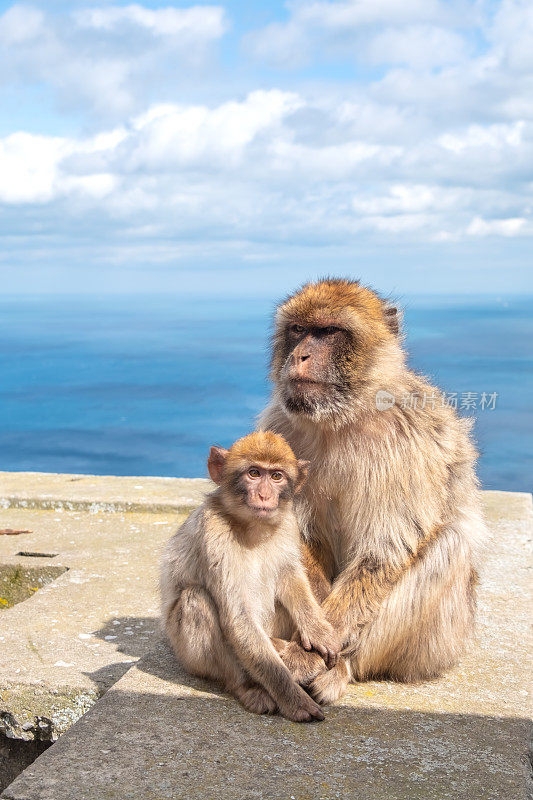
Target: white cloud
(95, 186)
(406, 198)
(201, 22)
(480, 137)
(20, 24)
(171, 136)
(108, 60)
(28, 167)
(358, 13)
(261, 166)
(512, 34)
(498, 227)
(35, 169)
(421, 46)
(436, 147)
(415, 32)
(398, 224)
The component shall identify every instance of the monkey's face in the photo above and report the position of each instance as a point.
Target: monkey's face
(328, 338)
(318, 369)
(258, 477)
(263, 492)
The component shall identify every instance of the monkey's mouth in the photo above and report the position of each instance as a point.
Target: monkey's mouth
(305, 383)
(302, 386)
(262, 511)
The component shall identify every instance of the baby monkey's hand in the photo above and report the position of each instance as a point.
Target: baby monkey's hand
(319, 635)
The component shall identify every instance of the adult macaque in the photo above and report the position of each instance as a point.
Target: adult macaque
(390, 511)
(229, 564)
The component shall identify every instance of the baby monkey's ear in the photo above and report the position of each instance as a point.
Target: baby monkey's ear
(303, 469)
(215, 463)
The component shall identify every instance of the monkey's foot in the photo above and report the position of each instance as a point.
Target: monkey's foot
(304, 666)
(301, 708)
(328, 687)
(255, 699)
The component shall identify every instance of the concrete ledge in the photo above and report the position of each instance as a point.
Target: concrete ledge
(159, 734)
(65, 645)
(100, 493)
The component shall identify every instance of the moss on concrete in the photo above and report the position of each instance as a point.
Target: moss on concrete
(17, 582)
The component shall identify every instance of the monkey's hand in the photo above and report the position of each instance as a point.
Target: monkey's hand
(304, 666)
(319, 635)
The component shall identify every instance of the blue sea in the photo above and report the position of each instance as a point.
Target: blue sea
(143, 385)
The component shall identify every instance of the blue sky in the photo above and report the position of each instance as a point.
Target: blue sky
(246, 147)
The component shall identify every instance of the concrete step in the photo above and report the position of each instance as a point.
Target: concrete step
(86, 557)
(100, 493)
(158, 733)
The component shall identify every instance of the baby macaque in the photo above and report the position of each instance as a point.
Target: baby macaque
(229, 565)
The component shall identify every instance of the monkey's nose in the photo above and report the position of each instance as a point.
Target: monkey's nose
(298, 358)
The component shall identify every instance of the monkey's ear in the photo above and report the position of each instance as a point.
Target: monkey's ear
(303, 469)
(393, 317)
(215, 463)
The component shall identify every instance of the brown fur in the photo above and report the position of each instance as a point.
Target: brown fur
(319, 577)
(391, 505)
(224, 573)
(262, 447)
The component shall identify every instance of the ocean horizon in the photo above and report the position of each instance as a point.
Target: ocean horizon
(144, 384)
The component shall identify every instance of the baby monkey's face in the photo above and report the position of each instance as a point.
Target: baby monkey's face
(257, 477)
(264, 489)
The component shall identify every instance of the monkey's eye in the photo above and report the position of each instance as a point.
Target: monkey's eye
(253, 472)
(330, 330)
(277, 476)
(297, 328)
